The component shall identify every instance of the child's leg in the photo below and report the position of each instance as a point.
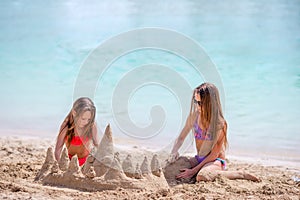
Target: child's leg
(211, 170)
(239, 175)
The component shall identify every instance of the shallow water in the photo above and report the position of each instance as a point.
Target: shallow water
(254, 45)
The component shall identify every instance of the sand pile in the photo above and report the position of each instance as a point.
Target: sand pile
(102, 171)
(173, 169)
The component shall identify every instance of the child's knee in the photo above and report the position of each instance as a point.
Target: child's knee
(205, 176)
(202, 177)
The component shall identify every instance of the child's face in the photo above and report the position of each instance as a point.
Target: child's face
(84, 119)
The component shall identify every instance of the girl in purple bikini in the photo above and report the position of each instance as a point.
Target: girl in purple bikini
(210, 130)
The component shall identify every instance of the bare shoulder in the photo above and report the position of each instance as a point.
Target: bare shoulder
(64, 125)
(62, 134)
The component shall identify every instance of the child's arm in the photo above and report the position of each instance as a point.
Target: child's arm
(96, 139)
(182, 136)
(60, 140)
(187, 173)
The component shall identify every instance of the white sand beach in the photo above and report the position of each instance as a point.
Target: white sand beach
(22, 158)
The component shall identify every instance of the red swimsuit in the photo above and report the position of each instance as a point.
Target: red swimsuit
(77, 141)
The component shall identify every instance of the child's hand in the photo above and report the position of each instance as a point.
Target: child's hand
(173, 157)
(93, 151)
(186, 173)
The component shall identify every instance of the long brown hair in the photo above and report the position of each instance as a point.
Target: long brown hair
(80, 106)
(211, 114)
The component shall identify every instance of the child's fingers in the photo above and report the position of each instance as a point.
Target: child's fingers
(172, 158)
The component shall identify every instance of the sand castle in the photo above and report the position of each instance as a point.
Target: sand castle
(102, 171)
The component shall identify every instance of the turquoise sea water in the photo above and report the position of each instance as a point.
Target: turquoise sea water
(255, 46)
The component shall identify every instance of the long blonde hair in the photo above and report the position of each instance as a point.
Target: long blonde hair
(211, 114)
(80, 106)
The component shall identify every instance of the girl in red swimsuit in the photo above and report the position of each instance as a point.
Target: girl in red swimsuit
(210, 130)
(78, 131)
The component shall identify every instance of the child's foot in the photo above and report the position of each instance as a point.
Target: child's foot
(251, 177)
